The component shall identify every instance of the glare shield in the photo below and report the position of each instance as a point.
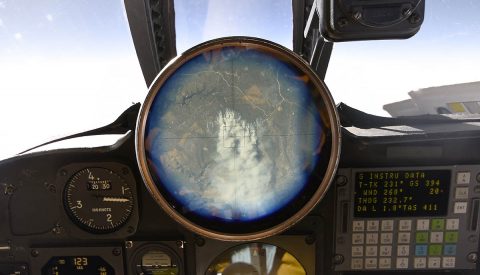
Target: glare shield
(238, 139)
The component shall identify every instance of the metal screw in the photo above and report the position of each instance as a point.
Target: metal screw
(130, 229)
(128, 244)
(310, 239)
(357, 15)
(342, 22)
(63, 172)
(472, 257)
(341, 180)
(199, 241)
(338, 259)
(117, 252)
(9, 189)
(23, 267)
(415, 18)
(407, 12)
(180, 244)
(34, 253)
(57, 229)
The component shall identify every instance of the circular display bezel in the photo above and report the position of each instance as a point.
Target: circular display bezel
(318, 181)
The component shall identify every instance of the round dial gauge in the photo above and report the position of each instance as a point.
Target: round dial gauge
(98, 199)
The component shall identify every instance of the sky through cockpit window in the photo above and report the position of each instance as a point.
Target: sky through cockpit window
(68, 66)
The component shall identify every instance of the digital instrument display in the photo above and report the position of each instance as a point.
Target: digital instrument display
(411, 193)
(69, 265)
(98, 199)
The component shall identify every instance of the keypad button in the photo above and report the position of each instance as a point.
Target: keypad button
(438, 224)
(385, 250)
(423, 225)
(421, 250)
(357, 251)
(371, 251)
(405, 225)
(357, 238)
(386, 238)
(371, 263)
(452, 224)
(372, 225)
(404, 237)
(387, 225)
(463, 177)
(436, 237)
(434, 262)
(451, 237)
(460, 208)
(403, 250)
(448, 262)
(371, 238)
(421, 237)
(358, 226)
(402, 262)
(461, 193)
(450, 250)
(420, 263)
(435, 250)
(357, 263)
(385, 263)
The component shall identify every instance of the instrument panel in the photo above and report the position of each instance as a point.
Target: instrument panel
(419, 218)
(232, 169)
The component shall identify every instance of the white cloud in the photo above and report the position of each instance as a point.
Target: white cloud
(18, 36)
(49, 17)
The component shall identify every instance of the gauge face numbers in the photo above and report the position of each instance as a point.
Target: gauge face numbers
(98, 199)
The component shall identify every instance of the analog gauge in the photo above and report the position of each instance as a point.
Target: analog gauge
(98, 199)
(156, 259)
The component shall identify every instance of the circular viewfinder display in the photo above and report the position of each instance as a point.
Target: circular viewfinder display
(238, 139)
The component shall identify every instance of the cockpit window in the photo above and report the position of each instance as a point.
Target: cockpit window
(199, 21)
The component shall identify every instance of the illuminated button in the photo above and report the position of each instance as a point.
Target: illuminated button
(404, 237)
(435, 250)
(371, 263)
(405, 225)
(372, 226)
(403, 250)
(384, 263)
(387, 225)
(386, 250)
(421, 237)
(452, 224)
(438, 224)
(461, 193)
(463, 177)
(436, 237)
(460, 208)
(358, 226)
(357, 251)
(357, 238)
(386, 238)
(448, 262)
(402, 262)
(371, 251)
(434, 262)
(450, 250)
(420, 263)
(423, 225)
(421, 250)
(451, 237)
(357, 263)
(372, 238)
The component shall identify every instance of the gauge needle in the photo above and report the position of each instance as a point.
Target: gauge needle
(112, 199)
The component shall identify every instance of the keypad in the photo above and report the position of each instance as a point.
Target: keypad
(404, 243)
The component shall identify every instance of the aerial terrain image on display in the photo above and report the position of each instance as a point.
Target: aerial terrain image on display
(234, 134)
